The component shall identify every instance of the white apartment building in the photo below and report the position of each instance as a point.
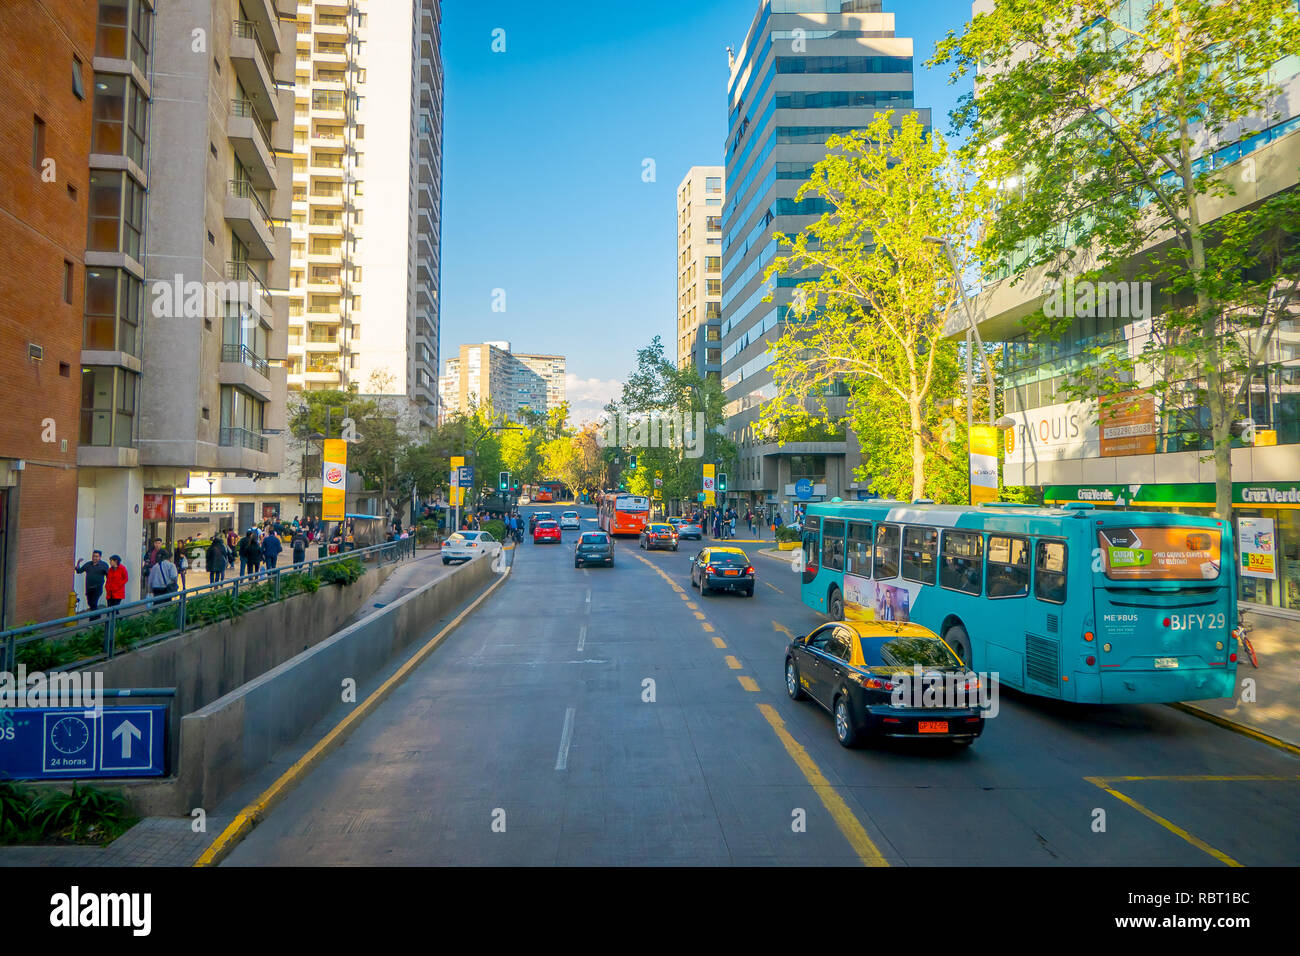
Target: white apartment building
(700, 198)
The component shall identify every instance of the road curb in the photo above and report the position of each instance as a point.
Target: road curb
(1237, 728)
(253, 814)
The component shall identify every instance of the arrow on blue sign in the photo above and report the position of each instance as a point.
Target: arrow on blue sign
(126, 730)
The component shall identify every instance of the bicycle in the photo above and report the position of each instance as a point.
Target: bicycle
(1244, 628)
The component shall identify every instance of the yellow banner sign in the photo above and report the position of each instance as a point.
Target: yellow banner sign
(983, 463)
(334, 479)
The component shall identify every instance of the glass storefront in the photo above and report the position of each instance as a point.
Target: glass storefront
(1266, 519)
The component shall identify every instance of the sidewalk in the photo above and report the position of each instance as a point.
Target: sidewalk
(1275, 710)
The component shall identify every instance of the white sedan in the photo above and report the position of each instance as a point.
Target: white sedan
(464, 545)
(569, 521)
(525, 500)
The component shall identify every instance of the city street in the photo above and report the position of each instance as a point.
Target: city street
(614, 716)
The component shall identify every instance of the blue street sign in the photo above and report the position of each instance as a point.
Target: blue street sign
(48, 743)
(466, 479)
(803, 489)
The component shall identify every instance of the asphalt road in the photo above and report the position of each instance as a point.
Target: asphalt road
(613, 716)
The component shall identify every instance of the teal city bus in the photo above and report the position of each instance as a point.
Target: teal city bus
(1073, 603)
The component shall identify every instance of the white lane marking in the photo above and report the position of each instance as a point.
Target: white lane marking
(582, 637)
(566, 738)
(588, 595)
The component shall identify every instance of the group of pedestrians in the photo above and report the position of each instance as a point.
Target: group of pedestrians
(103, 580)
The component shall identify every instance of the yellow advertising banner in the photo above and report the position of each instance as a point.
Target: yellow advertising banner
(1128, 424)
(983, 463)
(334, 479)
(708, 485)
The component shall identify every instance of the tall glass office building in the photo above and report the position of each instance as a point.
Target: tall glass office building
(807, 69)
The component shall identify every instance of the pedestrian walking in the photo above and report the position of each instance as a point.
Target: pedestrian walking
(271, 548)
(162, 576)
(250, 553)
(299, 545)
(731, 531)
(115, 584)
(181, 562)
(96, 572)
(217, 557)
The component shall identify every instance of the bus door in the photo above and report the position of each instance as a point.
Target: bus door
(1054, 650)
(811, 544)
(1164, 602)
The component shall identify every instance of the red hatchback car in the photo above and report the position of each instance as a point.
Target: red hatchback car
(546, 531)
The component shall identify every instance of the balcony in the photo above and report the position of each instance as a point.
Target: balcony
(331, 24)
(249, 220)
(242, 354)
(243, 272)
(253, 67)
(242, 438)
(252, 143)
(328, 104)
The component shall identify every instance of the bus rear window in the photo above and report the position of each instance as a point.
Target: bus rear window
(1160, 554)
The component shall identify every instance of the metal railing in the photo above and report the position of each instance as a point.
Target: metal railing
(243, 189)
(245, 109)
(109, 632)
(243, 272)
(245, 356)
(241, 438)
(247, 30)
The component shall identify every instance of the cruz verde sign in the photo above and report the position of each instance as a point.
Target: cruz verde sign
(1284, 494)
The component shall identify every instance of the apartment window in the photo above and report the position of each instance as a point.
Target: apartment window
(78, 79)
(713, 356)
(712, 334)
(108, 397)
(38, 142)
(123, 32)
(713, 223)
(121, 114)
(713, 184)
(712, 263)
(713, 286)
(116, 214)
(114, 299)
(241, 419)
(67, 281)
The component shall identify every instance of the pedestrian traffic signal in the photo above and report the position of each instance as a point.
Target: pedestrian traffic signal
(504, 481)
(722, 481)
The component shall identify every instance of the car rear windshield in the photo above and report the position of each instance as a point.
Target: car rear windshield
(906, 651)
(547, 524)
(660, 529)
(463, 536)
(728, 558)
(594, 537)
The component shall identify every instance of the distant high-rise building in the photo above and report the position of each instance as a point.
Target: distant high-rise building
(488, 374)
(367, 199)
(807, 69)
(699, 270)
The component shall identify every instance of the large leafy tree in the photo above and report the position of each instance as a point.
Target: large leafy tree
(873, 311)
(1101, 118)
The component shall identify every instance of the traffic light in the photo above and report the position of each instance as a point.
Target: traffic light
(503, 481)
(631, 461)
(722, 481)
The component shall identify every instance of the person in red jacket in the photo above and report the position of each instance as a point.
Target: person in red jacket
(115, 586)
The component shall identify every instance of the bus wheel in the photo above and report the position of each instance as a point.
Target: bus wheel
(959, 641)
(835, 604)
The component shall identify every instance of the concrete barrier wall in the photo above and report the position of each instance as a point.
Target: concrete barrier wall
(225, 742)
(208, 662)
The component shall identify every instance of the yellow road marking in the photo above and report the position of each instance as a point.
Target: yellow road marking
(853, 830)
(734, 664)
(719, 643)
(708, 628)
(699, 615)
(692, 605)
(749, 684)
(252, 814)
(1171, 827)
(774, 587)
(1238, 728)
(1204, 778)
(782, 629)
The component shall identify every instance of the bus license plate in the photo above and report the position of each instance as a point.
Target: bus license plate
(1166, 662)
(932, 726)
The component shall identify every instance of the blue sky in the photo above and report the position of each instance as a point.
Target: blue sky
(542, 170)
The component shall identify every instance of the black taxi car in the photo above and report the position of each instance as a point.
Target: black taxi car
(722, 569)
(886, 678)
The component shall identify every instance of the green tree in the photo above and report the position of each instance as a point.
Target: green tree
(872, 314)
(1096, 116)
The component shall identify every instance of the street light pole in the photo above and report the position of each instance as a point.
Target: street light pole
(972, 331)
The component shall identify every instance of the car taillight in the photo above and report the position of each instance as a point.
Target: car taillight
(749, 569)
(875, 683)
(1232, 658)
(972, 684)
(710, 569)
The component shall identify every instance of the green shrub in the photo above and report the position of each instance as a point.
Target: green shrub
(87, 814)
(15, 813)
(342, 572)
(784, 534)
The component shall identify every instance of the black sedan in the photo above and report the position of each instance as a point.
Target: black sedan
(886, 678)
(658, 536)
(722, 569)
(593, 547)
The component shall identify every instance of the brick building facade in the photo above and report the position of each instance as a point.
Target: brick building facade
(46, 60)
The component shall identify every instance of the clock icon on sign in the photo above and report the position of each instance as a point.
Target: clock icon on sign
(70, 735)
